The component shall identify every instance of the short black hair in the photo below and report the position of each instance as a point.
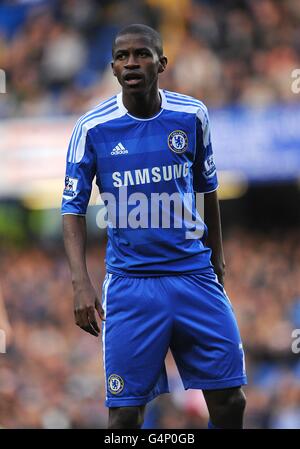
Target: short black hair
(145, 30)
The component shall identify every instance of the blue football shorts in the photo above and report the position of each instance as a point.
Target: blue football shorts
(145, 316)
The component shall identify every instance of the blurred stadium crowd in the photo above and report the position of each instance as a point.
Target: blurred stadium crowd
(56, 54)
(56, 57)
(52, 375)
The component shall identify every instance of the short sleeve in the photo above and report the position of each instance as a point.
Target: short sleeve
(204, 168)
(80, 172)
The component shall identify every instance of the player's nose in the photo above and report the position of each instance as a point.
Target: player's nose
(131, 62)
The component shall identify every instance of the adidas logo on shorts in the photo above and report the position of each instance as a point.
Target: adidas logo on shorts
(119, 149)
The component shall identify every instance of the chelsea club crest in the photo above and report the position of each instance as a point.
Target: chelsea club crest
(115, 383)
(178, 141)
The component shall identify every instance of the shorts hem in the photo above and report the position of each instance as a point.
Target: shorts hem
(131, 401)
(216, 384)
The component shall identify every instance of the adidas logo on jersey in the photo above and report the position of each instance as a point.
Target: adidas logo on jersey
(119, 149)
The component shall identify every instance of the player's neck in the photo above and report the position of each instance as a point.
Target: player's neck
(142, 105)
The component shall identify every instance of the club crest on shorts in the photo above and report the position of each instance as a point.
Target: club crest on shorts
(178, 141)
(115, 384)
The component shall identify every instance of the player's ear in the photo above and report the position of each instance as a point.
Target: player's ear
(112, 67)
(163, 61)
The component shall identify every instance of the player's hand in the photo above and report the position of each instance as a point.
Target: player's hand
(86, 303)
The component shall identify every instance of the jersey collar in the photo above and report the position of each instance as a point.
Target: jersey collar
(125, 111)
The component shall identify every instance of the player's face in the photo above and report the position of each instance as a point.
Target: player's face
(136, 63)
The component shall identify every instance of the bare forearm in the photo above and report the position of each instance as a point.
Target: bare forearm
(86, 301)
(214, 240)
(74, 233)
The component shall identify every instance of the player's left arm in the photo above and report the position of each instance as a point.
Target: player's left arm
(214, 240)
(206, 182)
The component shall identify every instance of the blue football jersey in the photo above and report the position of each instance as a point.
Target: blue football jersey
(144, 168)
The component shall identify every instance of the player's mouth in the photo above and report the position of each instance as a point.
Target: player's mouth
(133, 78)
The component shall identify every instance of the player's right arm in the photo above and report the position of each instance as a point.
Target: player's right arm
(80, 171)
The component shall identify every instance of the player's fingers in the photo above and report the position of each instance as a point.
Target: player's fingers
(90, 330)
(80, 318)
(83, 321)
(86, 325)
(92, 319)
